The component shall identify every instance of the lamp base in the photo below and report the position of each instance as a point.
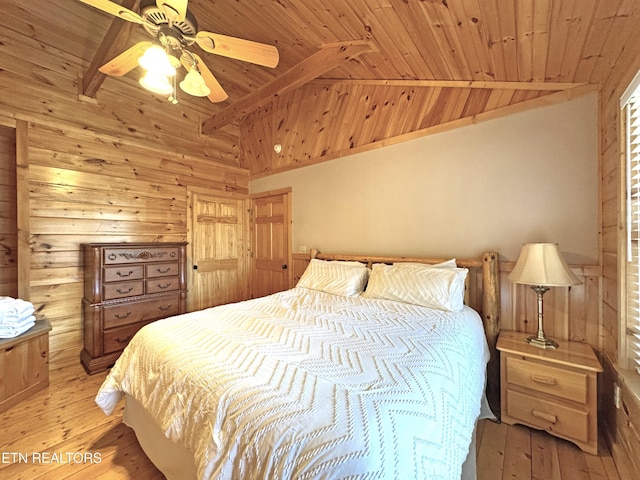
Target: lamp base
(542, 342)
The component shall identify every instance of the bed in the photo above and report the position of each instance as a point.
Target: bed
(371, 367)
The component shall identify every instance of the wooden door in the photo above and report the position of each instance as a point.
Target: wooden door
(218, 251)
(271, 243)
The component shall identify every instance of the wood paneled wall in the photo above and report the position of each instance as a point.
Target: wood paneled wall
(8, 214)
(569, 313)
(110, 169)
(41, 84)
(622, 433)
(86, 187)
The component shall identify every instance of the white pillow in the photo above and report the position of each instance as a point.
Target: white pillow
(338, 278)
(440, 288)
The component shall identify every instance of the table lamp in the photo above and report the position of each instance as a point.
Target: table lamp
(542, 266)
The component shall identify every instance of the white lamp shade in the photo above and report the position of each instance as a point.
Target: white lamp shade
(156, 83)
(194, 84)
(542, 264)
(156, 60)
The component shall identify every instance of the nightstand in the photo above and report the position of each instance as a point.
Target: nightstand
(551, 390)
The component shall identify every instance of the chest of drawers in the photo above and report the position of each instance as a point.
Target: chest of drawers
(552, 390)
(127, 286)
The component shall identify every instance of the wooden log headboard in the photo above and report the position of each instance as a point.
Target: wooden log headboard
(482, 293)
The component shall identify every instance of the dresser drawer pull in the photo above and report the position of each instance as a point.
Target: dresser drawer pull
(163, 287)
(120, 317)
(164, 309)
(545, 380)
(159, 270)
(544, 416)
(121, 274)
(124, 340)
(122, 291)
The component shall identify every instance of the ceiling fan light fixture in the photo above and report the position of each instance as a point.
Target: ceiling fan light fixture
(156, 60)
(173, 54)
(194, 84)
(157, 83)
(174, 28)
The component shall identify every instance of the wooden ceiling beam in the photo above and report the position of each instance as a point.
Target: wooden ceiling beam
(538, 86)
(324, 60)
(113, 43)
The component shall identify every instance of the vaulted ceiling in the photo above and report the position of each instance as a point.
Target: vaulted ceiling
(569, 41)
(541, 45)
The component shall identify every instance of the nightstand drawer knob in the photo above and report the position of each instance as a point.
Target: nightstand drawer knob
(548, 417)
(544, 380)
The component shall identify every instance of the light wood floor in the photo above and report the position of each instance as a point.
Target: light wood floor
(58, 432)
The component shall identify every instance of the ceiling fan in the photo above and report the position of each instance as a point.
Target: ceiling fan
(173, 29)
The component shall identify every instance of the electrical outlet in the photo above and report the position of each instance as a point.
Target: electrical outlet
(302, 249)
(616, 395)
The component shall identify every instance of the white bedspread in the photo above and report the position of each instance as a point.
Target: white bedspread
(307, 385)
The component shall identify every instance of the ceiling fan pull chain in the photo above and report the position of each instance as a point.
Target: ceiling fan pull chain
(173, 98)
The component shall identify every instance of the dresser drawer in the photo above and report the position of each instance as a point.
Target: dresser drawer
(548, 415)
(140, 255)
(144, 310)
(162, 284)
(125, 272)
(118, 338)
(154, 270)
(562, 383)
(121, 290)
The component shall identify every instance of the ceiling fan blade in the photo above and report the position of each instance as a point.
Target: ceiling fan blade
(115, 10)
(126, 61)
(175, 10)
(217, 92)
(245, 50)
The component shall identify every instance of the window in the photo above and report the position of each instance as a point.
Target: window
(630, 333)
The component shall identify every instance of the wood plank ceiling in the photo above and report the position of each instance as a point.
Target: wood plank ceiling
(574, 41)
(491, 53)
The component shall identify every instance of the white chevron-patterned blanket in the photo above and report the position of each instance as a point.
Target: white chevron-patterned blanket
(308, 385)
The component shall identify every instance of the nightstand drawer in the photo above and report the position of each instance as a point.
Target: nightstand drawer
(562, 383)
(548, 415)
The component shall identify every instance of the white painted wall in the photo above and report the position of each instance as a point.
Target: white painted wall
(527, 177)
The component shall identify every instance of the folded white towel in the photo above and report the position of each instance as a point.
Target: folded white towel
(19, 323)
(13, 310)
(11, 331)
